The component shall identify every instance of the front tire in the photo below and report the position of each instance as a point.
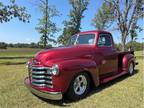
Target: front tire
(79, 87)
(131, 68)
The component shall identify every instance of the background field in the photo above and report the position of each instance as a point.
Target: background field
(18, 52)
(124, 92)
(17, 55)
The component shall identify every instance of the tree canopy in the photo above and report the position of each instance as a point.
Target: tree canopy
(8, 12)
(72, 26)
(104, 17)
(125, 14)
(46, 27)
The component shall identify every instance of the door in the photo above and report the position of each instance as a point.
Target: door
(108, 62)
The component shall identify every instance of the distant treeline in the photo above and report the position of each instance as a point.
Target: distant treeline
(4, 45)
(136, 45)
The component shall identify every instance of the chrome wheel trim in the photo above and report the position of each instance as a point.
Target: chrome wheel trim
(80, 84)
(131, 68)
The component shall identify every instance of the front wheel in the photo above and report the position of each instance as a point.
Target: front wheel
(131, 68)
(79, 87)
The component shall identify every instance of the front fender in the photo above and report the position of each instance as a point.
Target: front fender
(70, 68)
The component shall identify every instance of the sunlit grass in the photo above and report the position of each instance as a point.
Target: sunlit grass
(13, 61)
(18, 52)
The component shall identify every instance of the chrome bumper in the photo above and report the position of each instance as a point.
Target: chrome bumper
(46, 95)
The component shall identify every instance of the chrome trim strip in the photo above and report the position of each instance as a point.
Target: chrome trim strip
(48, 73)
(35, 76)
(38, 81)
(41, 68)
(41, 81)
(49, 82)
(38, 72)
(40, 85)
(48, 77)
(42, 76)
(41, 72)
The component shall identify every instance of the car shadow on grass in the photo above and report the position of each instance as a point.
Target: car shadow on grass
(110, 83)
(65, 102)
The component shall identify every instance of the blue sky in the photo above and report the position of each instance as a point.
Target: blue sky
(16, 31)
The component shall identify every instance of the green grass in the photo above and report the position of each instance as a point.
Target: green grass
(13, 61)
(18, 52)
(124, 92)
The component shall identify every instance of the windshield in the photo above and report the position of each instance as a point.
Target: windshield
(82, 39)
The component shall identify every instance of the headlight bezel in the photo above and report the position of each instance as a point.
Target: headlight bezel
(55, 69)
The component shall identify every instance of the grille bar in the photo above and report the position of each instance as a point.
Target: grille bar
(38, 72)
(48, 77)
(41, 77)
(36, 76)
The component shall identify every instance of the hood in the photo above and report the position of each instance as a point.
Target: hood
(64, 53)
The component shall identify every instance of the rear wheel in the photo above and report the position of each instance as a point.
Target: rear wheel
(79, 87)
(131, 68)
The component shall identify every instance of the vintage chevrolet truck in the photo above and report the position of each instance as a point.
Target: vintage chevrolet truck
(90, 59)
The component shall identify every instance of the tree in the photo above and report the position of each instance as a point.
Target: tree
(104, 17)
(8, 12)
(126, 14)
(72, 26)
(46, 27)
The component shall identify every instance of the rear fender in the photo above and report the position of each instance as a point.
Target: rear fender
(126, 60)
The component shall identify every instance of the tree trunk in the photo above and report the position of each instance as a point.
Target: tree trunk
(123, 46)
(46, 24)
(123, 42)
(45, 41)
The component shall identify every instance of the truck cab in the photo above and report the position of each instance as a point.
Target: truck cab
(89, 58)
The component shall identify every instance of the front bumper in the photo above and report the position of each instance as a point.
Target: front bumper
(43, 94)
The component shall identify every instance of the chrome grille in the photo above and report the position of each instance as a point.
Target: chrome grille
(41, 77)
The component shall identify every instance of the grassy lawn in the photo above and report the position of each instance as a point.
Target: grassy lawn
(19, 52)
(124, 92)
(13, 61)
(16, 52)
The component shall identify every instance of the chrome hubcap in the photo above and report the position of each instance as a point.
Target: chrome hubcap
(131, 68)
(80, 84)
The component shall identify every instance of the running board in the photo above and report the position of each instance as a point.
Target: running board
(105, 80)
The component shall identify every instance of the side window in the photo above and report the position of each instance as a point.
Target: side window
(104, 40)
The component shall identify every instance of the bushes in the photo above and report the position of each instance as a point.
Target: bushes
(137, 46)
(3, 45)
(23, 45)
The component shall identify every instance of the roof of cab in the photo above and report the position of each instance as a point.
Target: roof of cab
(93, 31)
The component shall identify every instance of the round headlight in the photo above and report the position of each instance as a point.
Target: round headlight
(55, 69)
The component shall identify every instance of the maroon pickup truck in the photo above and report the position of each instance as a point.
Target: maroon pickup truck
(90, 58)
